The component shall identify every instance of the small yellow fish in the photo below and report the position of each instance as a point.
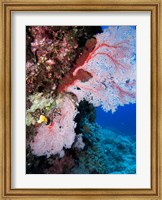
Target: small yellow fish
(42, 119)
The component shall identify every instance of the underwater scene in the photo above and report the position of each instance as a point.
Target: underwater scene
(80, 100)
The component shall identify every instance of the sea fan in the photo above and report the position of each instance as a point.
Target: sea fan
(111, 69)
(51, 139)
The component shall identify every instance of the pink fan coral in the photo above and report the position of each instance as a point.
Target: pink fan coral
(51, 139)
(111, 70)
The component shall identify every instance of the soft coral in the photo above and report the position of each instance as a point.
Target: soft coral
(110, 67)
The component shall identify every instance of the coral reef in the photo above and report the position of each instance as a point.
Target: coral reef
(79, 144)
(51, 52)
(105, 152)
(61, 166)
(39, 104)
(69, 72)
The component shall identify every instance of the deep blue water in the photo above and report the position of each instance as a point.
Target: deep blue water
(123, 121)
(104, 27)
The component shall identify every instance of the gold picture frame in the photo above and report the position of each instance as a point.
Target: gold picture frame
(8, 6)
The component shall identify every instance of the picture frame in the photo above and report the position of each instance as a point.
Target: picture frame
(7, 7)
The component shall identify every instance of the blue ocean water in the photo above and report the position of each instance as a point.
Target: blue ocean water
(104, 27)
(122, 121)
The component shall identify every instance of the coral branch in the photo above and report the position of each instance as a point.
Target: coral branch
(112, 69)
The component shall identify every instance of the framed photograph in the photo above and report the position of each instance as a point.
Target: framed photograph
(80, 99)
